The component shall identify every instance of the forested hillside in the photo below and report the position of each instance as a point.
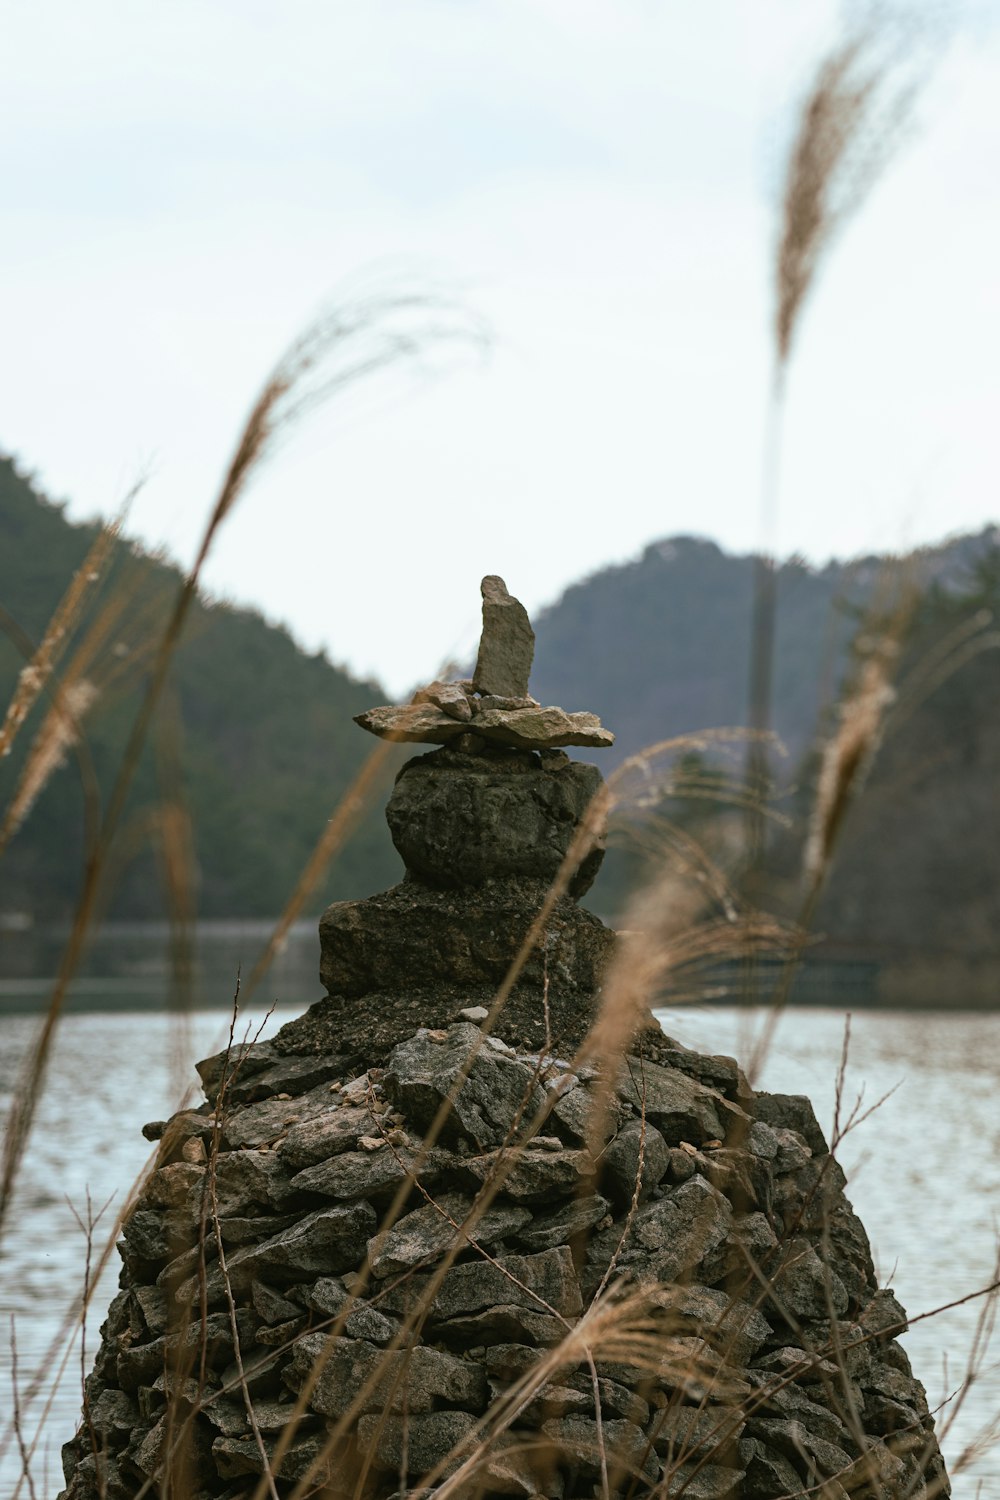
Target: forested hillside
(659, 647)
(919, 863)
(263, 734)
(264, 738)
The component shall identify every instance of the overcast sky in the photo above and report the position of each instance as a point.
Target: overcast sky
(187, 182)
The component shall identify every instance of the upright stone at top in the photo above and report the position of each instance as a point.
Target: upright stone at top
(494, 707)
(507, 644)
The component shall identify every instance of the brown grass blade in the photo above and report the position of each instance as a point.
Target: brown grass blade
(36, 673)
(339, 350)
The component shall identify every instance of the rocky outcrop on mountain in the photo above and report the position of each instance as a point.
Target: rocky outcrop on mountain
(425, 1242)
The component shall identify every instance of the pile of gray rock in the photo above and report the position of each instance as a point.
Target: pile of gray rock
(416, 1242)
(777, 1368)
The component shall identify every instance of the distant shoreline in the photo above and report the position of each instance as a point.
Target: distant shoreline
(30, 998)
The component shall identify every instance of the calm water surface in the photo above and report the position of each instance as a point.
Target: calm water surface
(924, 1170)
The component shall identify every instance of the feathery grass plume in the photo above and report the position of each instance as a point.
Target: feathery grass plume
(37, 672)
(860, 717)
(667, 937)
(376, 332)
(847, 759)
(67, 706)
(852, 120)
(59, 732)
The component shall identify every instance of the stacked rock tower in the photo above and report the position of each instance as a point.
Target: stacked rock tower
(416, 1245)
(483, 825)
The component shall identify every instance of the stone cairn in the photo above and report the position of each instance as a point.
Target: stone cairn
(409, 1246)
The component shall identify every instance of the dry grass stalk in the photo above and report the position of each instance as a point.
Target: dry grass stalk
(847, 758)
(59, 733)
(852, 120)
(668, 936)
(97, 669)
(376, 333)
(37, 673)
(851, 123)
(22, 1447)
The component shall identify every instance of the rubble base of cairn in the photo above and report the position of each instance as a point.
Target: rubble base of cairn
(257, 1279)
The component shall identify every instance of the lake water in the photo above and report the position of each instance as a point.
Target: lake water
(924, 1170)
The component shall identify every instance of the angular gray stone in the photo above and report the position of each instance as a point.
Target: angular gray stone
(817, 1457)
(329, 1240)
(511, 1466)
(734, 1329)
(235, 1457)
(249, 1180)
(417, 1380)
(255, 1124)
(573, 1111)
(683, 1165)
(519, 728)
(883, 1317)
(768, 1472)
(802, 1284)
(426, 1439)
(708, 1482)
(563, 1224)
(325, 1134)
(243, 1060)
(581, 1441)
(508, 1362)
(363, 1174)
(170, 1187)
(329, 1296)
(459, 820)
(714, 1070)
(507, 644)
(461, 942)
(154, 1306)
(271, 1305)
(671, 1236)
(544, 1282)
(746, 1250)
(621, 1157)
(286, 1075)
(537, 1176)
(542, 728)
(114, 1415)
(799, 1366)
(782, 1396)
(422, 1072)
(427, 1232)
(791, 1112)
(685, 1433)
(792, 1153)
(450, 697)
(487, 701)
(505, 1321)
(681, 1108)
